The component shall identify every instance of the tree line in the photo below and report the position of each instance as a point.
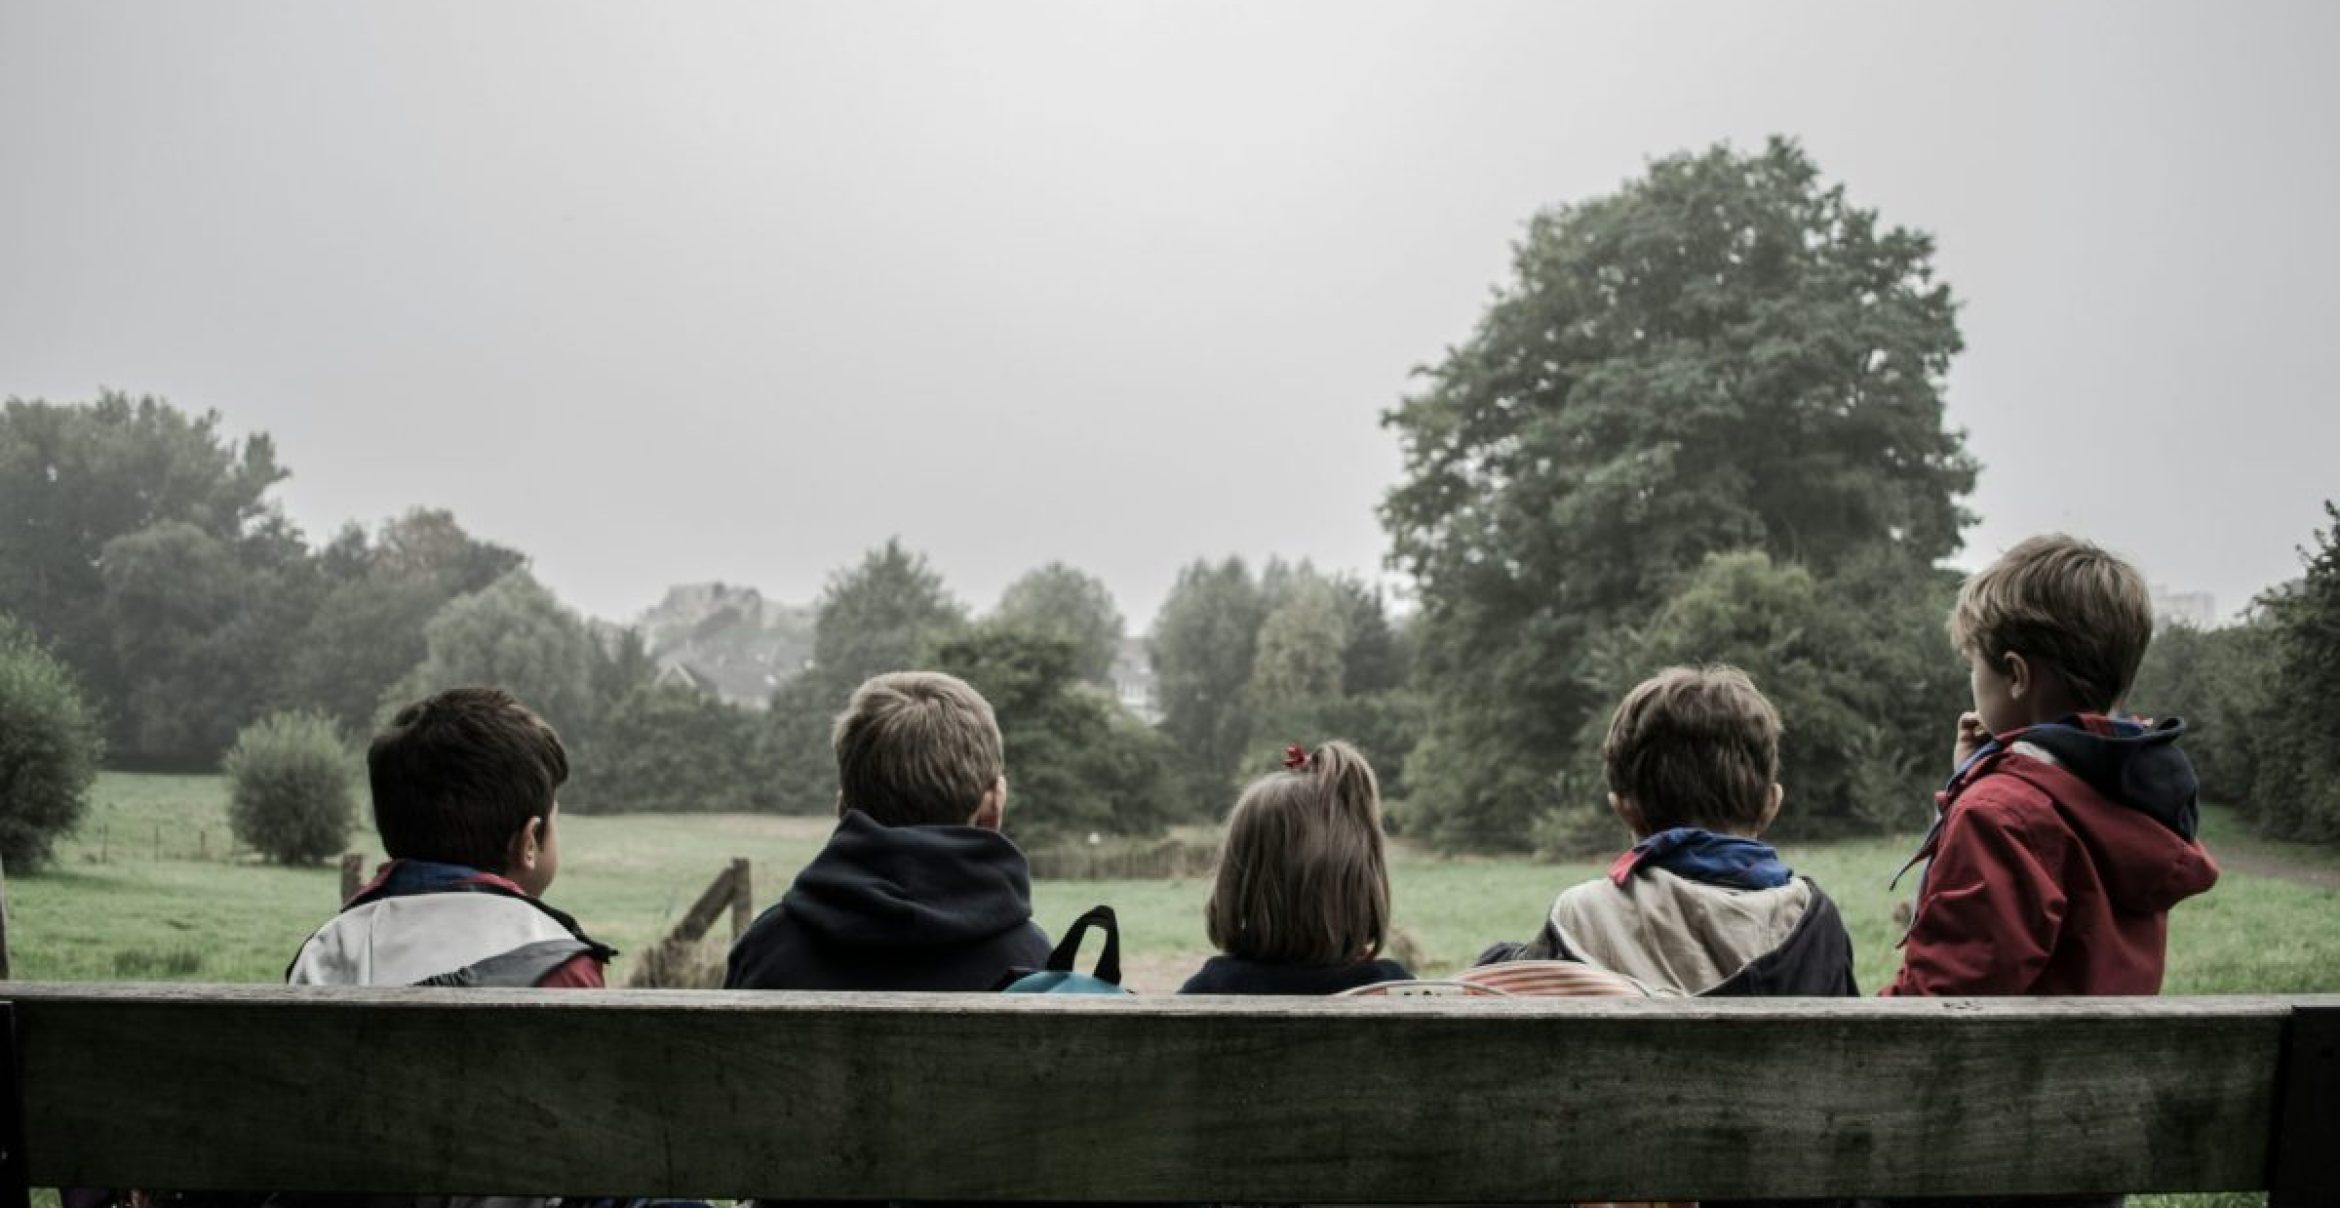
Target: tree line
(1701, 420)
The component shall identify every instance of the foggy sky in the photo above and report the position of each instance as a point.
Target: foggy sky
(685, 292)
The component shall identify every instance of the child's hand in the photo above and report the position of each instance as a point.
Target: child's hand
(1971, 737)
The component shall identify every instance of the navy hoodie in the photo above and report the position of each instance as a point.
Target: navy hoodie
(897, 908)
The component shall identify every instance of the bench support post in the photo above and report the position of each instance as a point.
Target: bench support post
(2306, 1157)
(15, 1172)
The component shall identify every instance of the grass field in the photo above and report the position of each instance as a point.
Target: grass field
(148, 890)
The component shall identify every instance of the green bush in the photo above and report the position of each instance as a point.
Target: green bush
(289, 788)
(1077, 763)
(672, 750)
(1856, 662)
(49, 749)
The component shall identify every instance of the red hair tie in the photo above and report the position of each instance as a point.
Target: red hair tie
(1295, 758)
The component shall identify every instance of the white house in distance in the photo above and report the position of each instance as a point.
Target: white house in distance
(1133, 680)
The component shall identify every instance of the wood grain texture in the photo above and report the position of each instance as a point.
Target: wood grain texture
(1037, 1098)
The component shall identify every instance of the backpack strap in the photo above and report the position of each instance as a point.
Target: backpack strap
(1068, 949)
(521, 967)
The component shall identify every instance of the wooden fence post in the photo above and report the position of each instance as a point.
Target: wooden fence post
(2307, 1112)
(3, 922)
(353, 874)
(743, 900)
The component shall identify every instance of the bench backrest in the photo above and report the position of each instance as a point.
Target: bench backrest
(939, 1097)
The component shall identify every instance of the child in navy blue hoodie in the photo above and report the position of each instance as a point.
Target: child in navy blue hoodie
(917, 888)
(1301, 902)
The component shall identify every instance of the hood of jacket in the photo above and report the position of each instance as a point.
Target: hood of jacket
(2129, 763)
(2129, 794)
(911, 886)
(1676, 935)
(416, 921)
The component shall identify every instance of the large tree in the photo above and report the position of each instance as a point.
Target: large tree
(1077, 763)
(516, 636)
(885, 613)
(1723, 354)
(141, 545)
(1061, 602)
(367, 628)
(1204, 641)
(2295, 782)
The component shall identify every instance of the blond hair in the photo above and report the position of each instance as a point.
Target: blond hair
(1694, 746)
(1303, 877)
(2065, 603)
(917, 748)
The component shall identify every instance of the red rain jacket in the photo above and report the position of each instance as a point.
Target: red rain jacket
(2044, 881)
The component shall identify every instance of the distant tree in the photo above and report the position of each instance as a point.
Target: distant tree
(1299, 668)
(1077, 764)
(795, 748)
(885, 613)
(514, 635)
(366, 630)
(621, 664)
(49, 750)
(2295, 782)
(289, 788)
(106, 502)
(1204, 642)
(1060, 602)
(74, 477)
(2220, 682)
(201, 628)
(1858, 666)
(1723, 354)
(670, 749)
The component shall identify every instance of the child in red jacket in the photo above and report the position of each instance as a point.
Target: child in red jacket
(2066, 833)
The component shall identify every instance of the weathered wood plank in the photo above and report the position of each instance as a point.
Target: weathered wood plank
(983, 1097)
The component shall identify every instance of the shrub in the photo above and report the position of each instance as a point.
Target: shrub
(49, 749)
(1855, 661)
(669, 749)
(289, 785)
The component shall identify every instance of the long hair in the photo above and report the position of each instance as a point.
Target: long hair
(1303, 875)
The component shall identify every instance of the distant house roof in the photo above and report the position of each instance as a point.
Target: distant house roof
(679, 674)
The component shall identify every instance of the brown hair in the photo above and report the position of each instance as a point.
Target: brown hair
(2065, 603)
(917, 748)
(1694, 746)
(456, 775)
(1303, 878)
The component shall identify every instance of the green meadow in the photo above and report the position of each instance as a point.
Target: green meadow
(150, 890)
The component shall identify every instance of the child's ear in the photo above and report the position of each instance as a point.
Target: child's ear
(991, 812)
(526, 848)
(1770, 810)
(2019, 676)
(1629, 814)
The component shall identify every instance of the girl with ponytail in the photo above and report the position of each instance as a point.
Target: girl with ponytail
(1301, 903)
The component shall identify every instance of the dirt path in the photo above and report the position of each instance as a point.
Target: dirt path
(2249, 859)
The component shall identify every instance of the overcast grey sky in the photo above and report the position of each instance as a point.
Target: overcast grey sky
(684, 292)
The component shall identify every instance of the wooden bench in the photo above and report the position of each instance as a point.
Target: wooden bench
(998, 1097)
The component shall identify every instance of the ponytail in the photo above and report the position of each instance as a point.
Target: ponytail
(1303, 876)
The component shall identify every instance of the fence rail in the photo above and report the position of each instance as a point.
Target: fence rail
(1150, 1099)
